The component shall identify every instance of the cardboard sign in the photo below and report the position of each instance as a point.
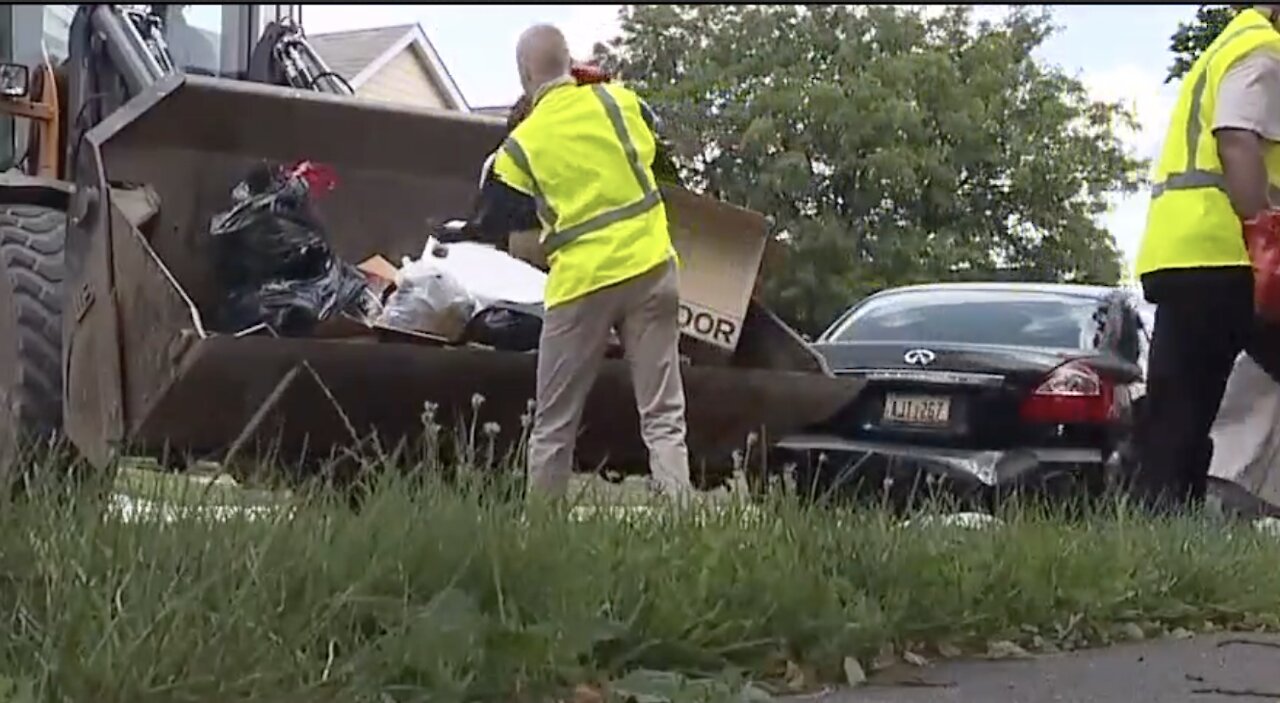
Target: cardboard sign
(721, 249)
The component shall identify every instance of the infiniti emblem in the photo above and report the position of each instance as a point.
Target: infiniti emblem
(919, 357)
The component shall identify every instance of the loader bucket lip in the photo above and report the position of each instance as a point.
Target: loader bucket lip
(143, 102)
(223, 381)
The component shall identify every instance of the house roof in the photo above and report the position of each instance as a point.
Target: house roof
(358, 54)
(495, 110)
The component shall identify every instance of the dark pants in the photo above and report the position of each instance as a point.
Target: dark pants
(1204, 319)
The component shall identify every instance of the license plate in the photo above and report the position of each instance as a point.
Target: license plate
(922, 410)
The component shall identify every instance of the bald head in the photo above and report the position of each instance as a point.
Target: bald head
(542, 55)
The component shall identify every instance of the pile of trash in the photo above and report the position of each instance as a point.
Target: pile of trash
(467, 291)
(278, 271)
(273, 258)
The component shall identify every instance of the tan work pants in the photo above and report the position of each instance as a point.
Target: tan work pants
(645, 311)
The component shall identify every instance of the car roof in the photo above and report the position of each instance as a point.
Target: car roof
(1090, 291)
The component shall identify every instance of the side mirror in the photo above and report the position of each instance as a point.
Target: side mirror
(15, 80)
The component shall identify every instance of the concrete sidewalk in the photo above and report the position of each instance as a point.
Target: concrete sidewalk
(1209, 669)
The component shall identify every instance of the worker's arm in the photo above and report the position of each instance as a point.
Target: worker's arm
(505, 203)
(1246, 118)
(1244, 170)
(499, 211)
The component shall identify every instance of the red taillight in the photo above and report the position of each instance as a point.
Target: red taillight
(1071, 394)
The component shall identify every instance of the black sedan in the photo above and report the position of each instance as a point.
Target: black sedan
(974, 391)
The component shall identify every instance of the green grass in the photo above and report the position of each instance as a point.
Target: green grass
(204, 488)
(431, 593)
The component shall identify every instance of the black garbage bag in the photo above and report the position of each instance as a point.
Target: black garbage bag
(506, 326)
(293, 307)
(273, 258)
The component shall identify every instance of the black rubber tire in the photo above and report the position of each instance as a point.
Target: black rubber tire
(32, 240)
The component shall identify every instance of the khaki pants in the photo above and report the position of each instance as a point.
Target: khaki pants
(574, 337)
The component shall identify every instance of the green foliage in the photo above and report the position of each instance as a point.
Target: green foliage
(1192, 38)
(886, 147)
(431, 593)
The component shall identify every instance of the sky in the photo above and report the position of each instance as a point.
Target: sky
(1120, 52)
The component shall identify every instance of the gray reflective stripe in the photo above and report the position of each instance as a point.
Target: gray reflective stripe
(1194, 127)
(1202, 179)
(516, 152)
(620, 130)
(555, 240)
(1189, 180)
(1193, 177)
(649, 118)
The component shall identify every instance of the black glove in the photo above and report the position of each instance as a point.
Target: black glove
(455, 231)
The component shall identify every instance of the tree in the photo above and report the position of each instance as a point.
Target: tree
(1190, 39)
(887, 147)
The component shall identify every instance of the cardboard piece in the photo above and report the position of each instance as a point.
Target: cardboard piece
(721, 250)
(380, 273)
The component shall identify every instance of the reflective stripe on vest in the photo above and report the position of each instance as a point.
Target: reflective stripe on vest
(1192, 177)
(553, 238)
(516, 152)
(1201, 179)
(1190, 221)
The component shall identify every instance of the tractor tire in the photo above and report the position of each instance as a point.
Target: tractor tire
(32, 242)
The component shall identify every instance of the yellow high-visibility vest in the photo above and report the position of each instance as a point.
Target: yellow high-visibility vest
(585, 156)
(1190, 222)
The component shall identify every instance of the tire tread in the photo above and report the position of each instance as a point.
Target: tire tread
(31, 251)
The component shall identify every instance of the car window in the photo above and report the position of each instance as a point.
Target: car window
(1016, 318)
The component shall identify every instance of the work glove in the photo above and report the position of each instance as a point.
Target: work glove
(1262, 239)
(455, 231)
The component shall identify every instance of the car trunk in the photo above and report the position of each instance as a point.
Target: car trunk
(957, 395)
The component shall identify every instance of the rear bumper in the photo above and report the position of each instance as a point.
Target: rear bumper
(990, 468)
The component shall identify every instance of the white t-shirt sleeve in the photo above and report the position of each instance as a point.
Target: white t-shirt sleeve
(1249, 95)
(487, 169)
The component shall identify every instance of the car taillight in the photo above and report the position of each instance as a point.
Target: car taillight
(1071, 394)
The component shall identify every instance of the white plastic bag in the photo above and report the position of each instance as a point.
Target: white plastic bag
(1246, 431)
(428, 297)
(449, 284)
(491, 276)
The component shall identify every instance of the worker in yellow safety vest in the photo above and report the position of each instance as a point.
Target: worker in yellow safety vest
(579, 167)
(1219, 168)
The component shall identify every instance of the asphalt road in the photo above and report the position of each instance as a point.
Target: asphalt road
(1210, 669)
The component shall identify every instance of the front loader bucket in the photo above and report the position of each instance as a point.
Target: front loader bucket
(145, 372)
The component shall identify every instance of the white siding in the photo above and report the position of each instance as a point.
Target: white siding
(57, 28)
(404, 79)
